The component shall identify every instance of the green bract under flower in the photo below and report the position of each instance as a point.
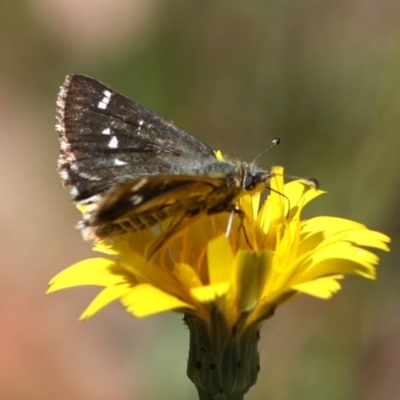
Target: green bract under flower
(267, 260)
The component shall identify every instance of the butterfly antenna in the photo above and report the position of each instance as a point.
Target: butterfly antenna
(274, 143)
(284, 196)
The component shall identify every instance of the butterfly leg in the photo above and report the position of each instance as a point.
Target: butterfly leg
(245, 235)
(230, 223)
(242, 216)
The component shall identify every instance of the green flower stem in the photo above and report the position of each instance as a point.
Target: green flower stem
(223, 361)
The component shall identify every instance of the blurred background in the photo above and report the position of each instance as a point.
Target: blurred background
(324, 76)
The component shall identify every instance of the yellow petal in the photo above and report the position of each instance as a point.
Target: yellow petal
(220, 260)
(365, 238)
(339, 258)
(144, 299)
(210, 293)
(105, 247)
(323, 288)
(187, 276)
(250, 273)
(83, 208)
(249, 204)
(219, 155)
(329, 225)
(272, 212)
(105, 297)
(300, 193)
(93, 271)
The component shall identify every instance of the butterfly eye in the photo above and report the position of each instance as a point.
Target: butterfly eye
(249, 182)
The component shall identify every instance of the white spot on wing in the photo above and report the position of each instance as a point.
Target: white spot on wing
(113, 143)
(90, 177)
(103, 103)
(73, 191)
(64, 175)
(136, 200)
(106, 131)
(140, 124)
(119, 162)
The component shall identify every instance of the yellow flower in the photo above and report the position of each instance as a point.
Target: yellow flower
(227, 286)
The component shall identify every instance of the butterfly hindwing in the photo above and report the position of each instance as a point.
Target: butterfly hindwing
(146, 201)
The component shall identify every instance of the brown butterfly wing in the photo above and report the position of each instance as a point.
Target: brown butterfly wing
(144, 202)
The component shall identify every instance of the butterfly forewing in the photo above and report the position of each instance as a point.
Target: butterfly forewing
(107, 138)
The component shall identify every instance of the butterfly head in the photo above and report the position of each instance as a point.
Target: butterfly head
(255, 179)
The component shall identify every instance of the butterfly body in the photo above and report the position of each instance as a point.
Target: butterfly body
(133, 169)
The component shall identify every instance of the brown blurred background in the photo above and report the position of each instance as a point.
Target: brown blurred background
(324, 76)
